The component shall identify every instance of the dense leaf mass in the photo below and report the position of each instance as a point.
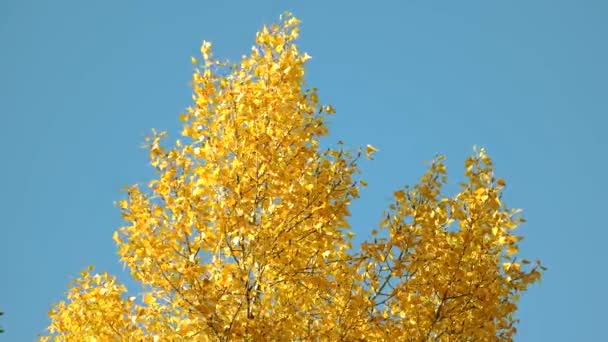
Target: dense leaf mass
(243, 235)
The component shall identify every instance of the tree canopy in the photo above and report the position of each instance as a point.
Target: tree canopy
(244, 233)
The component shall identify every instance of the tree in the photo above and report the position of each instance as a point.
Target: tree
(243, 235)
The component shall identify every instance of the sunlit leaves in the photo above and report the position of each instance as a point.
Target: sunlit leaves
(450, 261)
(244, 234)
(96, 309)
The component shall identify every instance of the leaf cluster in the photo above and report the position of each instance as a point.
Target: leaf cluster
(244, 233)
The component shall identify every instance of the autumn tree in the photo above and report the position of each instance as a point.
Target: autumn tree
(243, 234)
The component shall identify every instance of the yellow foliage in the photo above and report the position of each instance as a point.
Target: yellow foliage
(243, 235)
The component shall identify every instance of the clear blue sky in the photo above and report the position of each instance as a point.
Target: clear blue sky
(82, 83)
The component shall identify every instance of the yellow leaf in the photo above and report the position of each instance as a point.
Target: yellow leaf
(369, 151)
(116, 238)
(149, 299)
(501, 182)
(399, 195)
(123, 204)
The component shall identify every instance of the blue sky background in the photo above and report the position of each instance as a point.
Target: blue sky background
(82, 83)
